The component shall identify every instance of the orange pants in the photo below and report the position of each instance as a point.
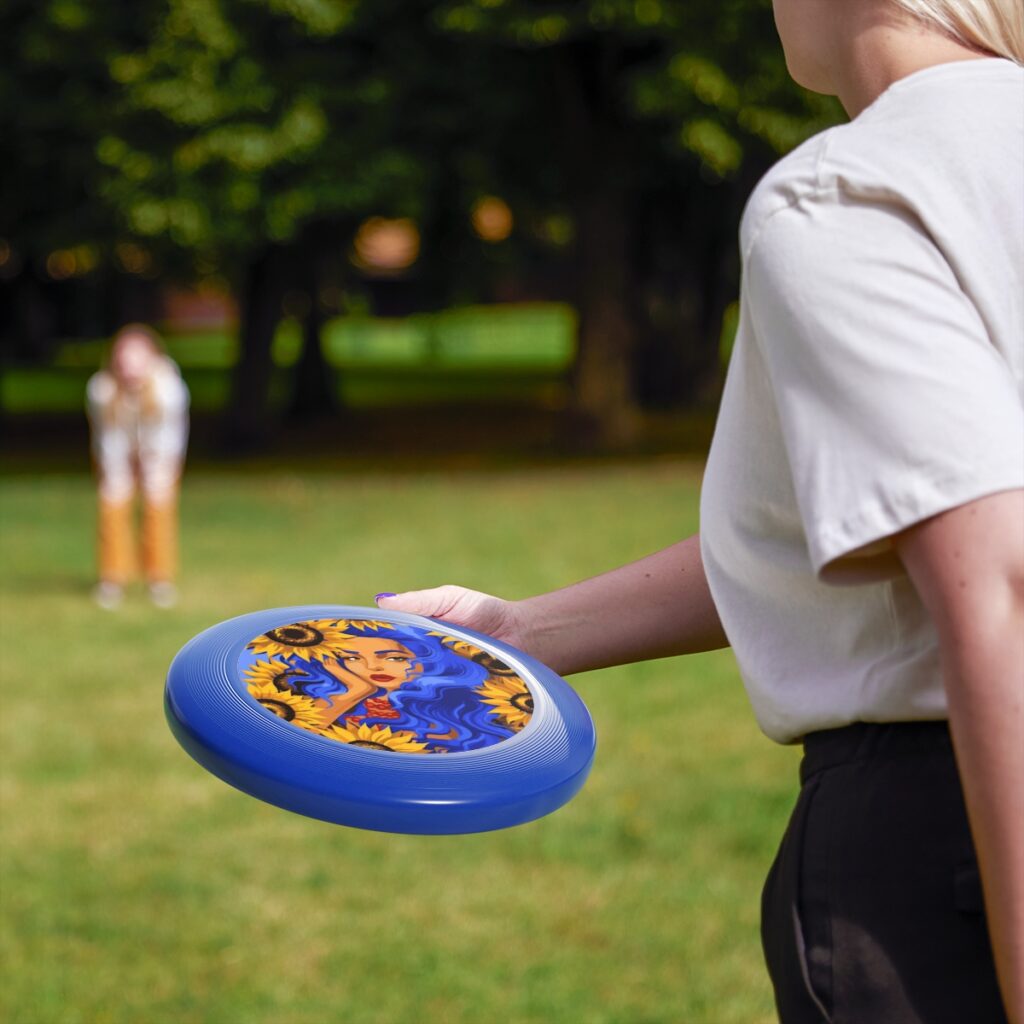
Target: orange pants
(118, 556)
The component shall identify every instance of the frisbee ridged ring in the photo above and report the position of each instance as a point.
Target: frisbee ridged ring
(379, 720)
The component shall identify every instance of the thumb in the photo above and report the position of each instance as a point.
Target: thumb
(432, 603)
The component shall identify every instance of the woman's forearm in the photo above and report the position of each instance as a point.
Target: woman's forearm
(985, 690)
(355, 691)
(654, 608)
(968, 567)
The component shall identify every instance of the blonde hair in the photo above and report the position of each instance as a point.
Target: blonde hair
(138, 330)
(993, 26)
(150, 406)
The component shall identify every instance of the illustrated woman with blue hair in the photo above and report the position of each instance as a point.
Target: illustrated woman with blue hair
(407, 681)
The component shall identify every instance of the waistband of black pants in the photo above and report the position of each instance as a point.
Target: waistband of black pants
(864, 741)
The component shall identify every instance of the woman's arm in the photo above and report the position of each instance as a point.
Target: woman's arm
(654, 608)
(355, 691)
(968, 566)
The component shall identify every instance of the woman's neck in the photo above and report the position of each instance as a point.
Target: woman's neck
(877, 49)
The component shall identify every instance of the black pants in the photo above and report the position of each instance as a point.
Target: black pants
(872, 912)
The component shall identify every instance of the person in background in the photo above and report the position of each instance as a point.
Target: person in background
(138, 414)
(861, 545)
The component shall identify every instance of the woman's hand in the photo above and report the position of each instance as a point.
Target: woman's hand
(462, 607)
(356, 689)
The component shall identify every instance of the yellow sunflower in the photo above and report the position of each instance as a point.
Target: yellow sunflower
(271, 673)
(291, 707)
(463, 647)
(510, 700)
(494, 666)
(362, 624)
(377, 737)
(309, 640)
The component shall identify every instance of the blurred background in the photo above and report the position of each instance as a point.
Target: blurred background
(452, 285)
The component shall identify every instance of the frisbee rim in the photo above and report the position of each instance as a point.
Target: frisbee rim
(219, 724)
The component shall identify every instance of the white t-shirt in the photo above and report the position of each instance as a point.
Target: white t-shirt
(139, 436)
(877, 379)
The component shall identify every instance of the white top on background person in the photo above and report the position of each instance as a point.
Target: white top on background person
(877, 379)
(864, 518)
(138, 412)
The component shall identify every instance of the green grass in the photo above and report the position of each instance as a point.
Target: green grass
(50, 389)
(484, 353)
(137, 888)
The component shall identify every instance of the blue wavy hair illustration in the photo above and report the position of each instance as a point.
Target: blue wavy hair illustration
(438, 703)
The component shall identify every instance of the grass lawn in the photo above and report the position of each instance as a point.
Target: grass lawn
(137, 889)
(519, 351)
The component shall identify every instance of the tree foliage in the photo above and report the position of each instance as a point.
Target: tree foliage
(249, 138)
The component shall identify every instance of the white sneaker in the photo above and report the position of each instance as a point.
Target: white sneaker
(163, 594)
(108, 595)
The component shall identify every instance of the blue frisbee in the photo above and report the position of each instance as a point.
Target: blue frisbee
(379, 720)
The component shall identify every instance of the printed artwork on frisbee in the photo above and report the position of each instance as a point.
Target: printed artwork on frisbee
(390, 687)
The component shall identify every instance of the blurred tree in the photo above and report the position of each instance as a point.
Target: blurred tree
(247, 140)
(55, 94)
(262, 133)
(258, 135)
(648, 121)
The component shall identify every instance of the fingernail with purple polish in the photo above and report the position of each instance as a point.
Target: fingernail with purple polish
(385, 594)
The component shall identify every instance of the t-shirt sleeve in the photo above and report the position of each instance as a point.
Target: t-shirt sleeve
(894, 402)
(99, 393)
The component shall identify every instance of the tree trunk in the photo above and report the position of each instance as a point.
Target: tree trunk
(597, 151)
(313, 394)
(33, 332)
(603, 374)
(249, 421)
(688, 274)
